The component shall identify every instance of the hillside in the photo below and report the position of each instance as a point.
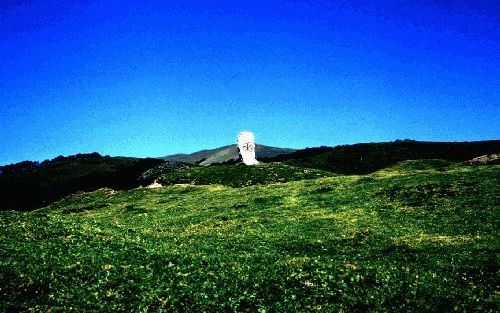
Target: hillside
(240, 175)
(421, 236)
(225, 154)
(28, 185)
(364, 158)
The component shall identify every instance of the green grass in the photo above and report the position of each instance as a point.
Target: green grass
(241, 175)
(402, 240)
(411, 166)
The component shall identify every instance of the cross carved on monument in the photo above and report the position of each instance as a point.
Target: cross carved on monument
(248, 146)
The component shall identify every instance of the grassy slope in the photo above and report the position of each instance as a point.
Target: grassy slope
(241, 175)
(401, 239)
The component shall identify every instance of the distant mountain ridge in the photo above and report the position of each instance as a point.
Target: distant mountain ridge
(28, 185)
(225, 154)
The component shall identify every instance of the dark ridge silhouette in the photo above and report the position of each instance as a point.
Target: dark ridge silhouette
(29, 185)
(364, 158)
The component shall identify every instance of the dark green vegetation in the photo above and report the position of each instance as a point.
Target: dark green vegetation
(419, 236)
(149, 176)
(364, 158)
(28, 185)
(240, 175)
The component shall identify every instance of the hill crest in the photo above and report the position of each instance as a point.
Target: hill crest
(225, 153)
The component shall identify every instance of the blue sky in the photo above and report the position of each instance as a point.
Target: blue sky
(152, 78)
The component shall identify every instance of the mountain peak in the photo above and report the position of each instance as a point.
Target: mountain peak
(224, 154)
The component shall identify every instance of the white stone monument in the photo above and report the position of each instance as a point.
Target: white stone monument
(246, 147)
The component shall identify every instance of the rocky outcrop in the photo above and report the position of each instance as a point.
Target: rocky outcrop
(486, 159)
(155, 184)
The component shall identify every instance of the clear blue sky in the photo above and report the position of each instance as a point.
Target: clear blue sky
(151, 78)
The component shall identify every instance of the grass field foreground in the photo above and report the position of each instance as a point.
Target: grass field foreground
(415, 237)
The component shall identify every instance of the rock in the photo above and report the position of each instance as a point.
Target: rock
(155, 184)
(485, 159)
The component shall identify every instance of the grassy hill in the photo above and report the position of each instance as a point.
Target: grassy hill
(240, 175)
(364, 158)
(28, 185)
(420, 236)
